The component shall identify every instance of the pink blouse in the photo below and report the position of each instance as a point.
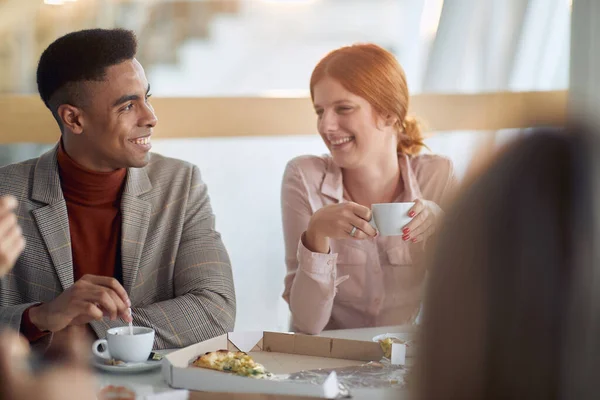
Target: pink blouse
(360, 283)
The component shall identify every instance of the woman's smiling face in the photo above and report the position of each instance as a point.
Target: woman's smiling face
(351, 129)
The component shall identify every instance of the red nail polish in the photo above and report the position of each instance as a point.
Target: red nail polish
(414, 240)
(405, 237)
(405, 230)
(411, 214)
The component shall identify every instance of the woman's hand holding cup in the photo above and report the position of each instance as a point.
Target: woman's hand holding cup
(338, 221)
(426, 217)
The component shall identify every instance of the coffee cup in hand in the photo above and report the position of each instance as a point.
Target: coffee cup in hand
(390, 218)
(121, 345)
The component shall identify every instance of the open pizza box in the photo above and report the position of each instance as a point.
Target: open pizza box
(280, 353)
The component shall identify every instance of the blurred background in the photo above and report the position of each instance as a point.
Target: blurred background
(267, 49)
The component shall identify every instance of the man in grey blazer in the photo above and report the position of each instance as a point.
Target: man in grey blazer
(108, 224)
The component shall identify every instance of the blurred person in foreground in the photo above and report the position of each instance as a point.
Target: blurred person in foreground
(69, 377)
(340, 273)
(495, 313)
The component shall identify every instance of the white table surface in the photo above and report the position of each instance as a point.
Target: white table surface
(151, 386)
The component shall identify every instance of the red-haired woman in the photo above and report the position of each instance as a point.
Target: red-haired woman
(340, 273)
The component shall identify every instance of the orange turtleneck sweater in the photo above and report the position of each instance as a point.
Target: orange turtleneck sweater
(93, 205)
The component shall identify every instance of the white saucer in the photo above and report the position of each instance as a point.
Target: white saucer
(127, 367)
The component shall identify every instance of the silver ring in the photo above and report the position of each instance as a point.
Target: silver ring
(353, 231)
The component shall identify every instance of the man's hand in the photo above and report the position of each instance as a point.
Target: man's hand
(69, 378)
(90, 298)
(11, 239)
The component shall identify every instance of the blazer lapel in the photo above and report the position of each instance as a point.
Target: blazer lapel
(52, 220)
(136, 218)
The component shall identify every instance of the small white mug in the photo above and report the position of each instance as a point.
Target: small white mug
(390, 218)
(120, 345)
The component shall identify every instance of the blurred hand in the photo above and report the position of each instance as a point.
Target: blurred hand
(90, 298)
(337, 221)
(11, 239)
(426, 218)
(68, 379)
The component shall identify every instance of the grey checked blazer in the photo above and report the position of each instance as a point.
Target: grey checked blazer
(175, 266)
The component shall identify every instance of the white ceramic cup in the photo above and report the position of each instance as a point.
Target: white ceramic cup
(120, 345)
(390, 218)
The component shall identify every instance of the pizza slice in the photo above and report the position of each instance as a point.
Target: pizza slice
(238, 363)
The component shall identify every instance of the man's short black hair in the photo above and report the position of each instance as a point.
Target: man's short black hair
(79, 57)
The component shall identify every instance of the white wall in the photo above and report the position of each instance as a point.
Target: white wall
(243, 178)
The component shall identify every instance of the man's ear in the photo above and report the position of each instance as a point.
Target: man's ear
(71, 118)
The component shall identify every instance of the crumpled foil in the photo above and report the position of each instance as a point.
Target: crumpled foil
(371, 375)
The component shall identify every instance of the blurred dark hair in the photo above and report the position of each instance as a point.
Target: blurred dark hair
(500, 279)
(78, 57)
